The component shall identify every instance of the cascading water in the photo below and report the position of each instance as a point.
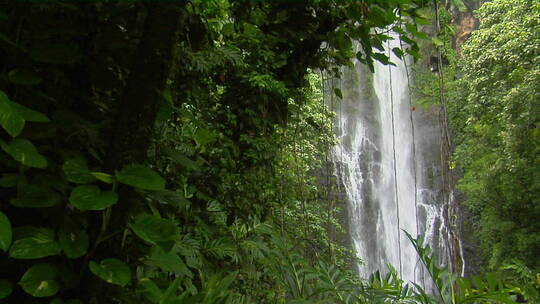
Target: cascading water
(388, 161)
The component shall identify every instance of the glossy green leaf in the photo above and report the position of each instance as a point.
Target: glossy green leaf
(24, 152)
(154, 229)
(104, 177)
(112, 271)
(10, 119)
(5, 232)
(74, 242)
(90, 197)
(33, 243)
(6, 288)
(76, 171)
(40, 280)
(141, 177)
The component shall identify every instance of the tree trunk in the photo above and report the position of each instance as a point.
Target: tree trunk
(136, 114)
(132, 129)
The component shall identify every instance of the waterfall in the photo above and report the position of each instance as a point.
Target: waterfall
(390, 177)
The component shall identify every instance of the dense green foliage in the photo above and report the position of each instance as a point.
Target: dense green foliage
(165, 152)
(491, 87)
(495, 118)
(168, 152)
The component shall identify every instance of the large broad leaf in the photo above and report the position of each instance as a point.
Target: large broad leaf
(76, 171)
(25, 152)
(36, 196)
(40, 280)
(6, 288)
(5, 232)
(14, 115)
(112, 271)
(33, 243)
(90, 197)
(74, 242)
(10, 119)
(154, 229)
(168, 261)
(141, 177)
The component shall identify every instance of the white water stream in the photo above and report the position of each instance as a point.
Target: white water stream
(391, 178)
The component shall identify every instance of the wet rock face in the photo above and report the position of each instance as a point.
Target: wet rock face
(465, 21)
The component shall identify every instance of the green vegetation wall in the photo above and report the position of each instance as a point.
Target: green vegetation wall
(495, 117)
